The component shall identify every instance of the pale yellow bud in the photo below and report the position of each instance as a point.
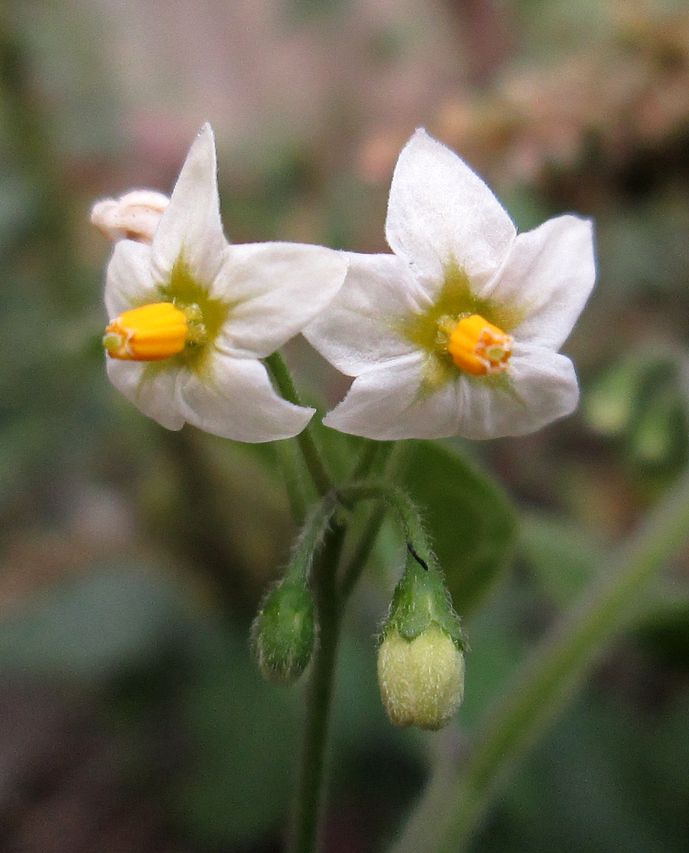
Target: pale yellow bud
(421, 680)
(133, 216)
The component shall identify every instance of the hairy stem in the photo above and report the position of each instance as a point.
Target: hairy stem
(310, 792)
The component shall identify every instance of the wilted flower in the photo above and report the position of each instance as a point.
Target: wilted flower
(458, 331)
(133, 216)
(193, 315)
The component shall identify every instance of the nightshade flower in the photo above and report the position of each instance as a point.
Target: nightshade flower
(193, 315)
(457, 332)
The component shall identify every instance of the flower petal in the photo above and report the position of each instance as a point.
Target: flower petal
(440, 211)
(152, 390)
(387, 403)
(129, 278)
(549, 274)
(234, 399)
(543, 387)
(191, 226)
(361, 326)
(274, 290)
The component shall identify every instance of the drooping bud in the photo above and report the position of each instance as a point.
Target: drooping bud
(283, 632)
(133, 216)
(421, 680)
(420, 658)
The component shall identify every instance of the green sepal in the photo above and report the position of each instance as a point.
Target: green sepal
(421, 600)
(284, 630)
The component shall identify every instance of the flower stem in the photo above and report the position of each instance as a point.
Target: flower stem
(407, 514)
(307, 444)
(310, 538)
(310, 791)
(450, 813)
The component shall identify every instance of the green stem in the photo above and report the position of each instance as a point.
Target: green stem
(310, 538)
(374, 455)
(310, 791)
(403, 506)
(305, 439)
(293, 473)
(450, 813)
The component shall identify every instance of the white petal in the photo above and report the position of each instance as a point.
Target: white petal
(274, 289)
(440, 211)
(129, 278)
(151, 387)
(387, 403)
(543, 387)
(361, 326)
(548, 275)
(234, 399)
(191, 226)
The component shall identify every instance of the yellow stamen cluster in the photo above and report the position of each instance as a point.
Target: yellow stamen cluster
(152, 332)
(478, 347)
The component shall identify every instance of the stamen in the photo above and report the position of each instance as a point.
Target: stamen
(479, 347)
(149, 333)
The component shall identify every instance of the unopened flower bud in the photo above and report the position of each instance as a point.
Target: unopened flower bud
(283, 632)
(133, 216)
(421, 680)
(420, 659)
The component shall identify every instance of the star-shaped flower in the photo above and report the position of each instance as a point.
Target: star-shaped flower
(193, 315)
(457, 332)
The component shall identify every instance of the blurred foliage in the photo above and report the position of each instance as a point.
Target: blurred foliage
(132, 559)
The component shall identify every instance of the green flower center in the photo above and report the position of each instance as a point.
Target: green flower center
(431, 330)
(206, 317)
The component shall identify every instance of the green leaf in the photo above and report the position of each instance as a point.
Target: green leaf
(470, 520)
(561, 555)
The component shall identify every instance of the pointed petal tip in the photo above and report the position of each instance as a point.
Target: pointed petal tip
(206, 130)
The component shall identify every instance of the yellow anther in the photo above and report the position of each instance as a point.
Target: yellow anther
(479, 347)
(149, 333)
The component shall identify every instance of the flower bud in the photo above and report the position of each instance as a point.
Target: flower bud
(133, 216)
(421, 680)
(420, 659)
(283, 632)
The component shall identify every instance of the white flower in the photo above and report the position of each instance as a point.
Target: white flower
(193, 315)
(133, 216)
(456, 333)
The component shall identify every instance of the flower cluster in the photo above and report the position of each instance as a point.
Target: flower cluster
(456, 333)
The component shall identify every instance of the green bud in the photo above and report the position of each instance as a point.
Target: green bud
(420, 659)
(421, 680)
(283, 632)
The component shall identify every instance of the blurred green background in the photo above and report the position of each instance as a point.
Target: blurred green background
(132, 559)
